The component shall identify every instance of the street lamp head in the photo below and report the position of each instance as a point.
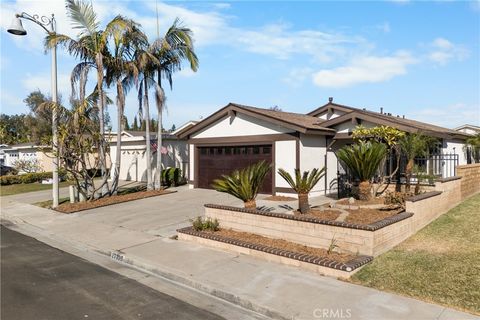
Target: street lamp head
(16, 27)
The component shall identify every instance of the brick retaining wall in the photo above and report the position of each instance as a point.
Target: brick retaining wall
(470, 174)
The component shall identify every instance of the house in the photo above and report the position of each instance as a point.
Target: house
(238, 135)
(468, 128)
(28, 151)
(2, 153)
(133, 166)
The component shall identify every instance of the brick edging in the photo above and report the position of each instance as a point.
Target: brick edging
(368, 227)
(424, 196)
(324, 262)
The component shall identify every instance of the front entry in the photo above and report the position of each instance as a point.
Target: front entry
(213, 162)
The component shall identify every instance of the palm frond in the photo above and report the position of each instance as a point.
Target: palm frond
(83, 16)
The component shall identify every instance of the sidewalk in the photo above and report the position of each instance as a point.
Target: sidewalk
(274, 290)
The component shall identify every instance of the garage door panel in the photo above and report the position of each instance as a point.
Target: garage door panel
(213, 162)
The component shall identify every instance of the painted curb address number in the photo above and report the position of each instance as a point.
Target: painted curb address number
(117, 256)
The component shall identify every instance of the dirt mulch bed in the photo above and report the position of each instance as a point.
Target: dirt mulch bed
(80, 206)
(369, 216)
(279, 198)
(325, 215)
(283, 245)
(362, 202)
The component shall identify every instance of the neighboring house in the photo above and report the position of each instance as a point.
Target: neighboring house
(468, 128)
(133, 164)
(28, 151)
(238, 135)
(2, 153)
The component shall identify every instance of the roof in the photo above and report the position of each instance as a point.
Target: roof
(295, 121)
(26, 145)
(185, 126)
(468, 126)
(398, 122)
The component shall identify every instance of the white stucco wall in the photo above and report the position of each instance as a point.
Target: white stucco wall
(285, 158)
(133, 165)
(191, 156)
(240, 125)
(453, 147)
(333, 115)
(312, 155)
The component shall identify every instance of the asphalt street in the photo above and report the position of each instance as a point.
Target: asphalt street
(41, 282)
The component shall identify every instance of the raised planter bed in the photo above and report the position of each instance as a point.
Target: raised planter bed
(336, 265)
(107, 201)
(366, 239)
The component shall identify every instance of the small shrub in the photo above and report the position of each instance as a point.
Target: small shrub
(172, 177)
(333, 245)
(208, 224)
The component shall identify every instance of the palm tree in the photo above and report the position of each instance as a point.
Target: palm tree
(245, 183)
(303, 184)
(414, 145)
(363, 160)
(122, 71)
(171, 50)
(91, 47)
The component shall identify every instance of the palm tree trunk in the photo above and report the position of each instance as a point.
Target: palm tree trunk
(118, 155)
(364, 190)
(148, 154)
(101, 109)
(252, 204)
(408, 174)
(158, 176)
(303, 204)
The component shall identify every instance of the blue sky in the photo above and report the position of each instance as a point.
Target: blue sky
(418, 59)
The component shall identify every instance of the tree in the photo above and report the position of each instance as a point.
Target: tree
(135, 126)
(303, 184)
(13, 129)
(171, 50)
(125, 125)
(91, 47)
(27, 165)
(363, 160)
(275, 108)
(40, 118)
(473, 144)
(173, 128)
(245, 183)
(122, 71)
(414, 145)
(388, 136)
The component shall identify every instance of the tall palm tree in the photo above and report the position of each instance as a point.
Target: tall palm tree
(122, 71)
(175, 47)
(363, 160)
(91, 47)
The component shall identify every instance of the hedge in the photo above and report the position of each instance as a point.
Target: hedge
(27, 178)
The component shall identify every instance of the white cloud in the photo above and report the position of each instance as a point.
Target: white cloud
(443, 51)
(384, 27)
(450, 116)
(367, 69)
(222, 5)
(297, 76)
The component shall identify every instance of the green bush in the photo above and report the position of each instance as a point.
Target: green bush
(171, 176)
(205, 225)
(30, 177)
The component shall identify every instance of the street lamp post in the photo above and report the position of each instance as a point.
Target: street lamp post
(17, 29)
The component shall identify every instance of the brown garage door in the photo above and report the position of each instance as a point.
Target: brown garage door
(213, 162)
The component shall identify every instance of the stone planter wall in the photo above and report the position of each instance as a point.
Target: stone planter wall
(370, 240)
(470, 174)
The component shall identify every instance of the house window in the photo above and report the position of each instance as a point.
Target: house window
(228, 150)
(256, 150)
(203, 151)
(219, 150)
(267, 150)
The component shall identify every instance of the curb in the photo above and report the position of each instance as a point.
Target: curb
(121, 258)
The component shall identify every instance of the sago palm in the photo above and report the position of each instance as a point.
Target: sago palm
(90, 47)
(245, 183)
(363, 160)
(303, 184)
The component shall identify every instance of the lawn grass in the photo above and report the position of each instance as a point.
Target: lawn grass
(28, 187)
(440, 264)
